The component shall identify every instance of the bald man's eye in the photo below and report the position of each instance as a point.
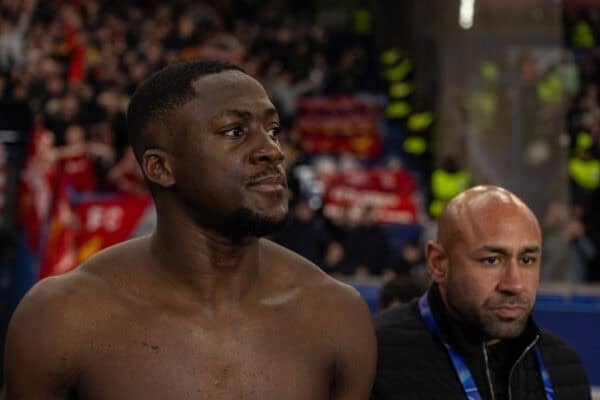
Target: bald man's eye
(491, 260)
(528, 260)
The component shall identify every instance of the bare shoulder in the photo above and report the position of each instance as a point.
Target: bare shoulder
(335, 315)
(71, 298)
(118, 260)
(328, 293)
(67, 301)
(45, 338)
(50, 331)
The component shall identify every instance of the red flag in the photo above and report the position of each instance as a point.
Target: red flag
(79, 230)
(103, 222)
(60, 252)
(76, 72)
(37, 182)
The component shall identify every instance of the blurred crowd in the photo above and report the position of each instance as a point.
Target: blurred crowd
(68, 68)
(581, 223)
(72, 65)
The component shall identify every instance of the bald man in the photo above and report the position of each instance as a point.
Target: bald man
(471, 335)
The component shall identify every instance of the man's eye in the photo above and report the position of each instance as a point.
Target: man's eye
(233, 132)
(275, 131)
(491, 260)
(528, 260)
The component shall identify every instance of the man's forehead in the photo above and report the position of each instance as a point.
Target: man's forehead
(506, 227)
(495, 219)
(230, 80)
(230, 92)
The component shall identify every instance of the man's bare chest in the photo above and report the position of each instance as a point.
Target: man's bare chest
(160, 357)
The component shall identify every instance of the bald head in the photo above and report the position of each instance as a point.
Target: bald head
(478, 206)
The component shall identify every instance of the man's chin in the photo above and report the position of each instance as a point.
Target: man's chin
(251, 223)
(502, 329)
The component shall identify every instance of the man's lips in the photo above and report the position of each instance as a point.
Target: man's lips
(509, 311)
(268, 183)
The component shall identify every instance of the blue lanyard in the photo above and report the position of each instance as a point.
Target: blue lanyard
(461, 368)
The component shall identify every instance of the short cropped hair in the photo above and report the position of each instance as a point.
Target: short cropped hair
(164, 91)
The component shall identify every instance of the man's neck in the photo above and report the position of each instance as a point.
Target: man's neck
(211, 268)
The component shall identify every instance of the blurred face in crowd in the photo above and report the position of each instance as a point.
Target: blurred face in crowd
(69, 106)
(487, 261)
(411, 253)
(302, 211)
(185, 26)
(74, 135)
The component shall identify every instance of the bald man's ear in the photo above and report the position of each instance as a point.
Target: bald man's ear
(158, 168)
(437, 261)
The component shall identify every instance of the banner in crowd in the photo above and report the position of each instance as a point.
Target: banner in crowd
(63, 227)
(338, 105)
(81, 228)
(337, 125)
(389, 191)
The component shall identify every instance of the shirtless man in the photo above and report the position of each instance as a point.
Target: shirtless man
(202, 308)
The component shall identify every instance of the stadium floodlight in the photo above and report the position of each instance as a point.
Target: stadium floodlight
(466, 12)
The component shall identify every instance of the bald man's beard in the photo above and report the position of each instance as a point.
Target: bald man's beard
(482, 317)
(498, 328)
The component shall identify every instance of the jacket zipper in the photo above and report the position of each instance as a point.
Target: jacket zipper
(487, 371)
(512, 369)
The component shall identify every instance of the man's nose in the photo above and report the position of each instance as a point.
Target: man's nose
(266, 148)
(511, 280)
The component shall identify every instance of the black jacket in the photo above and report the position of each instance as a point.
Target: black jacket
(413, 364)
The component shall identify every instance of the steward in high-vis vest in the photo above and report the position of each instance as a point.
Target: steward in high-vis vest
(446, 182)
(398, 74)
(584, 169)
(584, 173)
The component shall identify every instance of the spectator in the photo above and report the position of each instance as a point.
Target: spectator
(410, 262)
(78, 159)
(305, 233)
(446, 182)
(337, 262)
(473, 329)
(12, 35)
(582, 248)
(584, 171)
(556, 241)
(126, 176)
(399, 290)
(368, 243)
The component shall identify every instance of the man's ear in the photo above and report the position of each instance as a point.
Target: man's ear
(437, 261)
(157, 166)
